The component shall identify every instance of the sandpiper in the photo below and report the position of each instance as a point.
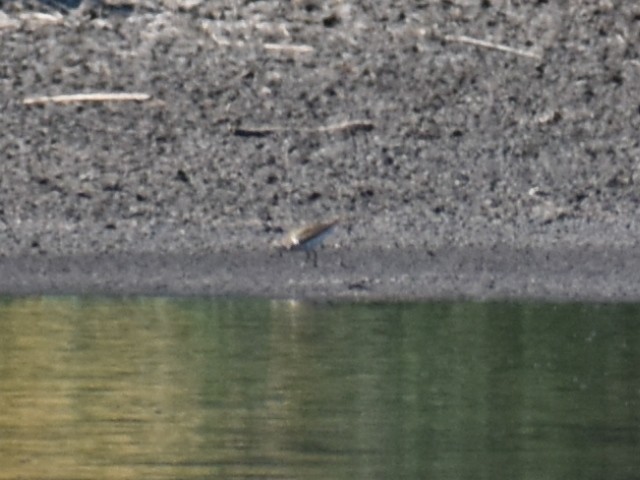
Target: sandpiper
(308, 238)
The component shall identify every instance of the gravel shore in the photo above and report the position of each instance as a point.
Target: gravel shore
(484, 151)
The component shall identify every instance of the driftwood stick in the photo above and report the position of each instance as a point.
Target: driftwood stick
(365, 125)
(288, 48)
(87, 97)
(494, 46)
(262, 131)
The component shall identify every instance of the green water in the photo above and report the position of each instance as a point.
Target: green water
(164, 388)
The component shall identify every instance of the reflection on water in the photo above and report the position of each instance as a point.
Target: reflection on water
(163, 388)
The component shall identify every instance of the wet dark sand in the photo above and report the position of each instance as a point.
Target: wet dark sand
(460, 169)
(468, 273)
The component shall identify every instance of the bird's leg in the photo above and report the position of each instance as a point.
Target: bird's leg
(313, 255)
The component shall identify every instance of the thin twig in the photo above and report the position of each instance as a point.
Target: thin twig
(262, 131)
(88, 97)
(257, 131)
(288, 48)
(495, 46)
(354, 125)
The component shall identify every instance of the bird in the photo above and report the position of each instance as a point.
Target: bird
(307, 238)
